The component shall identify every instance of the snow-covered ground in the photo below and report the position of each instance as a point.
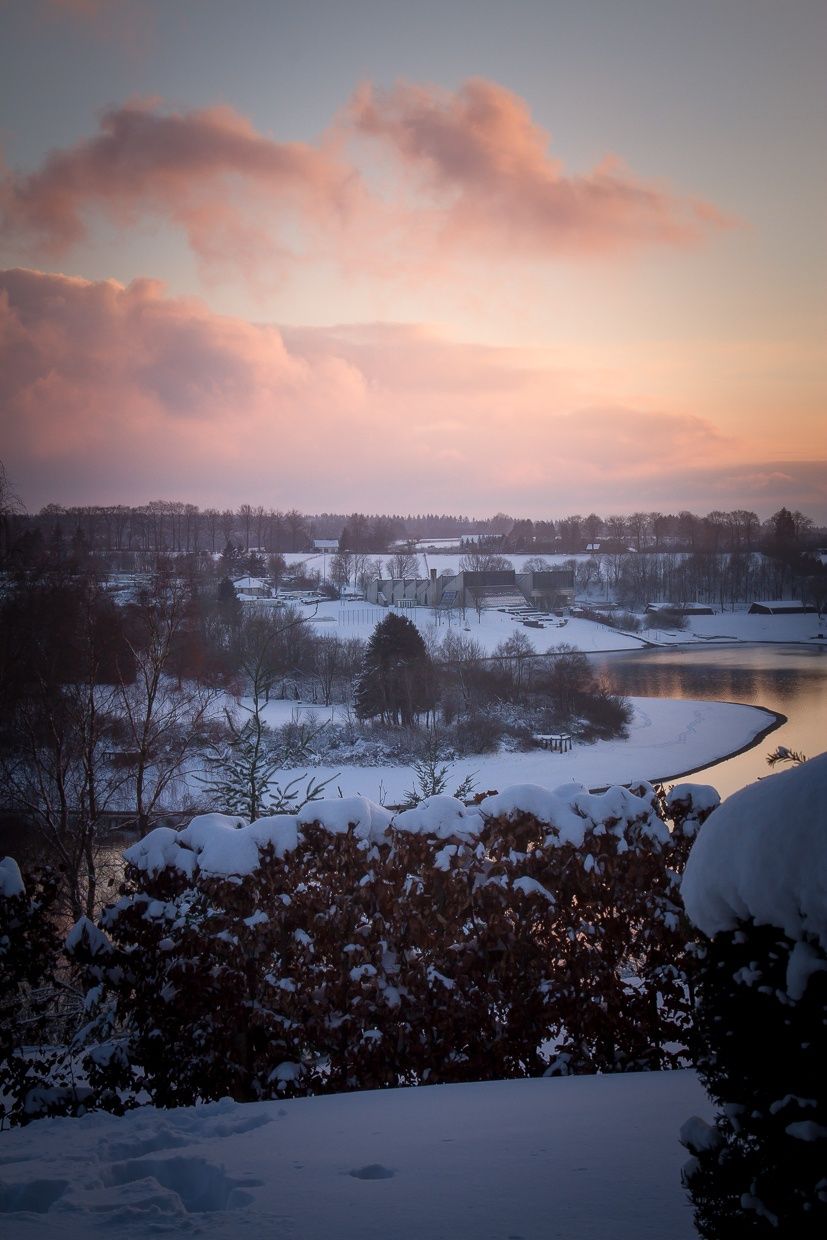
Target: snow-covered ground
(580, 1158)
(738, 626)
(358, 619)
(667, 737)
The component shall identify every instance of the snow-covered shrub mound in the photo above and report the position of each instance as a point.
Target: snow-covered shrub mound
(756, 885)
(762, 857)
(346, 948)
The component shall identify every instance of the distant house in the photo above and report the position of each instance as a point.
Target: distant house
(252, 587)
(780, 607)
(680, 609)
(328, 546)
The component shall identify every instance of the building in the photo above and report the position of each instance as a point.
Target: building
(252, 587)
(780, 607)
(548, 590)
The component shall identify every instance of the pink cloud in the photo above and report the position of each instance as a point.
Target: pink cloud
(479, 181)
(208, 171)
(119, 394)
(492, 180)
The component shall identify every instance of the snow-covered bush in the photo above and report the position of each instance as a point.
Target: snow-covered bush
(29, 951)
(756, 885)
(346, 948)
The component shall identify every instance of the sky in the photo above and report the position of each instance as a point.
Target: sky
(543, 257)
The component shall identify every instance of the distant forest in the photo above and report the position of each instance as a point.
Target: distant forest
(62, 534)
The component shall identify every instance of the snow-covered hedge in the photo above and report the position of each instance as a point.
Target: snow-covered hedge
(344, 948)
(756, 884)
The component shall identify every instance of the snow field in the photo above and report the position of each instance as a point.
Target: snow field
(578, 1158)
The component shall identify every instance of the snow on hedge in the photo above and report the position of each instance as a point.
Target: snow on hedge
(11, 880)
(762, 856)
(368, 820)
(220, 845)
(227, 846)
(571, 811)
(443, 817)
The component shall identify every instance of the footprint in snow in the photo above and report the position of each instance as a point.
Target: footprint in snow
(373, 1171)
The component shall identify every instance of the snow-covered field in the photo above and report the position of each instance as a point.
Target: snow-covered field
(737, 626)
(667, 737)
(580, 1158)
(358, 619)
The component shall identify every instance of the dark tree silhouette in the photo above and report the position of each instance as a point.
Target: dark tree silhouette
(397, 681)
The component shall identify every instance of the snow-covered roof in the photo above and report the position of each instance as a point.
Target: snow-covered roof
(780, 604)
(762, 856)
(252, 583)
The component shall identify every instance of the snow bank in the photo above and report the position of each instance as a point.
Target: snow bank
(762, 855)
(11, 880)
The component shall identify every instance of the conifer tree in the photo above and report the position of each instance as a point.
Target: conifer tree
(397, 681)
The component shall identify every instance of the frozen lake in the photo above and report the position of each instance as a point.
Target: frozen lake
(791, 680)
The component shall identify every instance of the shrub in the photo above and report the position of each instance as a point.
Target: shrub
(754, 885)
(345, 949)
(477, 733)
(663, 619)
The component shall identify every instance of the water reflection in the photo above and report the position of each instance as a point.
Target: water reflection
(791, 680)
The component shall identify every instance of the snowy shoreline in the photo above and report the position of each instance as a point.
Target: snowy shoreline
(668, 739)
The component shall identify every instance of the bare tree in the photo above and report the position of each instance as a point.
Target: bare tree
(341, 566)
(365, 570)
(10, 504)
(403, 564)
(163, 721)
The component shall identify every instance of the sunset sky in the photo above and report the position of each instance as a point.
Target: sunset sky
(539, 257)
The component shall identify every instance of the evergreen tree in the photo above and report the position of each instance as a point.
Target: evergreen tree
(229, 607)
(397, 681)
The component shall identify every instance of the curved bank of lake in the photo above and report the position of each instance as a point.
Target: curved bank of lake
(789, 680)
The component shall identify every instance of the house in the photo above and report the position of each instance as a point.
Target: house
(326, 546)
(679, 609)
(252, 587)
(780, 607)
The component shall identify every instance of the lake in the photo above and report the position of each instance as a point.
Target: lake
(791, 680)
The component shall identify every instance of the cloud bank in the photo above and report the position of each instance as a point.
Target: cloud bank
(122, 394)
(468, 173)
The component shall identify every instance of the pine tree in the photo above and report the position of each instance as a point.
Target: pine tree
(397, 681)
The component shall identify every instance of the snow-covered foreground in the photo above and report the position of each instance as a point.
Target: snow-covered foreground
(575, 1158)
(667, 737)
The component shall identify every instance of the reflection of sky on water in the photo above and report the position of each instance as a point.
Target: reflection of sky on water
(791, 680)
